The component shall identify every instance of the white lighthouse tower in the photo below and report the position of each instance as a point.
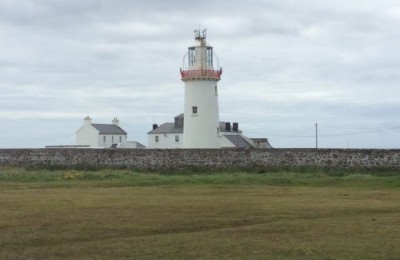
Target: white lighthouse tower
(201, 117)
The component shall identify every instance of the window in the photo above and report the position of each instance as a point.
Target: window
(176, 138)
(194, 110)
(156, 139)
(191, 56)
(216, 90)
(209, 56)
(104, 139)
(112, 139)
(120, 139)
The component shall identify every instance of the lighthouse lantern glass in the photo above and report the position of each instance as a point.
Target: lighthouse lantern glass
(191, 57)
(210, 56)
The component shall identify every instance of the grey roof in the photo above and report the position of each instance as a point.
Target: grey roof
(139, 145)
(238, 141)
(109, 129)
(167, 128)
(261, 142)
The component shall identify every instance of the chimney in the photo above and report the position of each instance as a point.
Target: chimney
(115, 121)
(235, 127)
(228, 126)
(87, 120)
(155, 126)
(179, 121)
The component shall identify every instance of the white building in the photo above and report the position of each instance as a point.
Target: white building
(104, 135)
(201, 128)
(170, 135)
(167, 135)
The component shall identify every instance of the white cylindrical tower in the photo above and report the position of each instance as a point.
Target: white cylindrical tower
(201, 118)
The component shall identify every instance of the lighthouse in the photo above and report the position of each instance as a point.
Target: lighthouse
(200, 73)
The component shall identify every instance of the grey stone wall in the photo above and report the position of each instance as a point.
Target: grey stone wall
(207, 158)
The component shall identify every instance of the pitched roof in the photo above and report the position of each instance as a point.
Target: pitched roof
(109, 129)
(139, 145)
(238, 141)
(167, 128)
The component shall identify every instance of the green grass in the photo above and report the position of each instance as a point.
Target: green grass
(114, 214)
(114, 178)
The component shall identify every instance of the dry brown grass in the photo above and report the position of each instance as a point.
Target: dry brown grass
(199, 221)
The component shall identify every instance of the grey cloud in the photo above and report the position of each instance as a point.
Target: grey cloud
(285, 64)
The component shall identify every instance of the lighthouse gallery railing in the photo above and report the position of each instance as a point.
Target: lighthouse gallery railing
(201, 74)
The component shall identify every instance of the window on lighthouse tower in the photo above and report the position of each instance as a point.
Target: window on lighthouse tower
(194, 110)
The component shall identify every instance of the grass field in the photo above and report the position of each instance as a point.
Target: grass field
(124, 214)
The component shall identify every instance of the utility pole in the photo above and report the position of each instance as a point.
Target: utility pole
(316, 136)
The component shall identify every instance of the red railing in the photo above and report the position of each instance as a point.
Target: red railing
(201, 74)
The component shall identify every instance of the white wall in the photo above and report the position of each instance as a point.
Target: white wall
(109, 140)
(129, 145)
(201, 129)
(87, 135)
(165, 141)
(225, 143)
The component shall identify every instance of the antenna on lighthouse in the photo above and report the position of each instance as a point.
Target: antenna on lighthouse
(200, 34)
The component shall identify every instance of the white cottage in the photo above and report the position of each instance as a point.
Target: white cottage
(104, 135)
(167, 135)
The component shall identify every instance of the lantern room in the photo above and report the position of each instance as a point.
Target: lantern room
(199, 61)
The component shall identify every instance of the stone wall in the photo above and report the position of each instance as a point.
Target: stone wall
(207, 158)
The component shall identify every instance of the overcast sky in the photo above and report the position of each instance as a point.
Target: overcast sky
(287, 65)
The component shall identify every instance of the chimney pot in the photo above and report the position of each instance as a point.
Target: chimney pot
(87, 120)
(228, 126)
(235, 127)
(115, 121)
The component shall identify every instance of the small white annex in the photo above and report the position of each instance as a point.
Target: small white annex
(104, 135)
